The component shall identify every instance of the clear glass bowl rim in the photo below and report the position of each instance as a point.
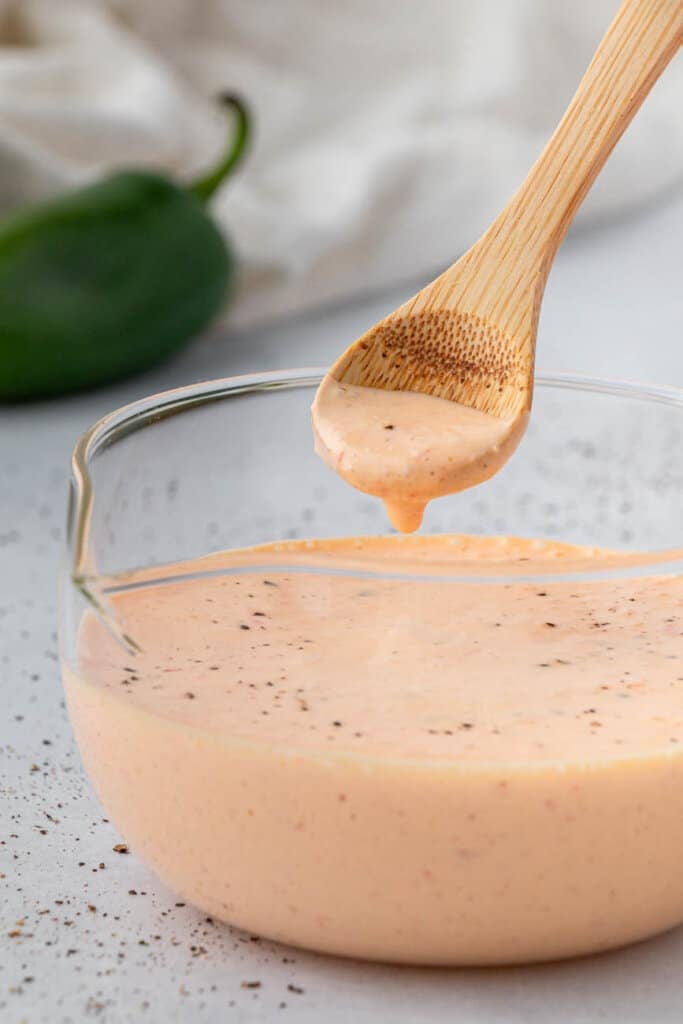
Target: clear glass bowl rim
(152, 409)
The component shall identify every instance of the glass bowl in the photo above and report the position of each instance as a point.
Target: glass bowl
(352, 839)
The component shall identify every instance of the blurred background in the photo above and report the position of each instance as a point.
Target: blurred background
(387, 133)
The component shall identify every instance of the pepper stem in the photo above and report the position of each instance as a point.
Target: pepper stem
(205, 187)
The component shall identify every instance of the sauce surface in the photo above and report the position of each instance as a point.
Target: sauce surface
(423, 668)
(408, 448)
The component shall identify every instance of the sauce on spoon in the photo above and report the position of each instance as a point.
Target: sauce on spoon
(408, 448)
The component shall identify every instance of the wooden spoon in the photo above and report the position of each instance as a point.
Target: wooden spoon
(469, 337)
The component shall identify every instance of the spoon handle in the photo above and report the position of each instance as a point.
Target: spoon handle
(516, 253)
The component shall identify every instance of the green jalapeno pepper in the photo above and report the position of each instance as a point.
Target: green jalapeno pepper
(108, 279)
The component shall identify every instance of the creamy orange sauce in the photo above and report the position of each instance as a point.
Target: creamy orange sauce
(411, 769)
(408, 448)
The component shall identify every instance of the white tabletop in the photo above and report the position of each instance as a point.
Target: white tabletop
(89, 934)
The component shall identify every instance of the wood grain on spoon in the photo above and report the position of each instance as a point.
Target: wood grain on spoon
(468, 339)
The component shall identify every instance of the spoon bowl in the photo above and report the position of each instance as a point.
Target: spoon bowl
(446, 352)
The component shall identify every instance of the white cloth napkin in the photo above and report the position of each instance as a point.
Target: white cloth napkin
(388, 133)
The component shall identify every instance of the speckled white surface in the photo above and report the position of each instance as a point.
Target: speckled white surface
(89, 934)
